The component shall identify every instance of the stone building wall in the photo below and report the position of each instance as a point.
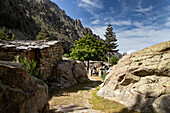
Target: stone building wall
(46, 53)
(48, 58)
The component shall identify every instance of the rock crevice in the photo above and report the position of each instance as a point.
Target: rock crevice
(20, 92)
(141, 80)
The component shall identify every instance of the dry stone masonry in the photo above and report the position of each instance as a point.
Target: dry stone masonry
(47, 53)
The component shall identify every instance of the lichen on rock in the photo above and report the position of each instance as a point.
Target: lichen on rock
(141, 80)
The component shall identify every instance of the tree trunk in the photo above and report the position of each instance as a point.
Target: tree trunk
(88, 65)
(108, 57)
(88, 69)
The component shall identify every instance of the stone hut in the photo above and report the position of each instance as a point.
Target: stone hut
(47, 53)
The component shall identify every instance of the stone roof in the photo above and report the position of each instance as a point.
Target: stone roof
(27, 45)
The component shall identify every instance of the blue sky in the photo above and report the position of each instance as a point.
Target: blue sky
(137, 23)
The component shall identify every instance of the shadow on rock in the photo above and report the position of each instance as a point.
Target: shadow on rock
(148, 104)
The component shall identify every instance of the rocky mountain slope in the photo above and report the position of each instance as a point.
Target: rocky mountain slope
(28, 17)
(141, 80)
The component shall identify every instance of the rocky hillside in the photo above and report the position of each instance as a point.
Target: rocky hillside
(28, 17)
(141, 80)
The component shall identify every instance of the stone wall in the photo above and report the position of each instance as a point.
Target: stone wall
(48, 58)
(97, 68)
(47, 53)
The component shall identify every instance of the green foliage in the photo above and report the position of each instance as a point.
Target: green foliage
(43, 34)
(103, 76)
(3, 36)
(7, 35)
(114, 60)
(110, 39)
(31, 67)
(88, 48)
(66, 55)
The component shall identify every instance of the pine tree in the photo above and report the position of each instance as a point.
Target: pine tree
(110, 41)
(43, 34)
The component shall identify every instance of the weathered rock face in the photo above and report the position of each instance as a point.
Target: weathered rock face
(30, 16)
(141, 80)
(20, 92)
(67, 73)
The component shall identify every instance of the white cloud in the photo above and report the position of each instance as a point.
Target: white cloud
(99, 30)
(120, 23)
(138, 24)
(91, 6)
(140, 9)
(136, 39)
(168, 22)
(95, 21)
(143, 10)
(146, 37)
(131, 51)
(89, 3)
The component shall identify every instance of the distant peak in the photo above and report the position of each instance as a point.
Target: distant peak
(78, 23)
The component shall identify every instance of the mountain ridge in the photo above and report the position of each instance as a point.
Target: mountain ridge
(27, 17)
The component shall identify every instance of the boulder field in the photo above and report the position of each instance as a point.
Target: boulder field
(20, 92)
(141, 80)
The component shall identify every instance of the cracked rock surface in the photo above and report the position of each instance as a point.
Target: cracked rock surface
(20, 92)
(141, 80)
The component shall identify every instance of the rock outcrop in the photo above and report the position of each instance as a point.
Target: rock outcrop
(141, 80)
(67, 73)
(20, 92)
(27, 17)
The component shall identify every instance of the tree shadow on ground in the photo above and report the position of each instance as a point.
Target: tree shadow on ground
(68, 108)
(75, 88)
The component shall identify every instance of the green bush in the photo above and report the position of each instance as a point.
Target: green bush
(103, 76)
(114, 60)
(31, 67)
(66, 55)
(7, 35)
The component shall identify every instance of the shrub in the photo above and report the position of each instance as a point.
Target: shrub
(103, 76)
(66, 55)
(114, 60)
(31, 67)
(7, 35)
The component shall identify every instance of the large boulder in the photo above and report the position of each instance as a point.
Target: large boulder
(141, 80)
(20, 92)
(68, 72)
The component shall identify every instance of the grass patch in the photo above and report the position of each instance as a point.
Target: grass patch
(76, 94)
(107, 106)
(104, 76)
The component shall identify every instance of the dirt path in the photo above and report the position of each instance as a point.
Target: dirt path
(74, 99)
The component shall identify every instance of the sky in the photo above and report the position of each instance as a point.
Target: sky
(137, 23)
